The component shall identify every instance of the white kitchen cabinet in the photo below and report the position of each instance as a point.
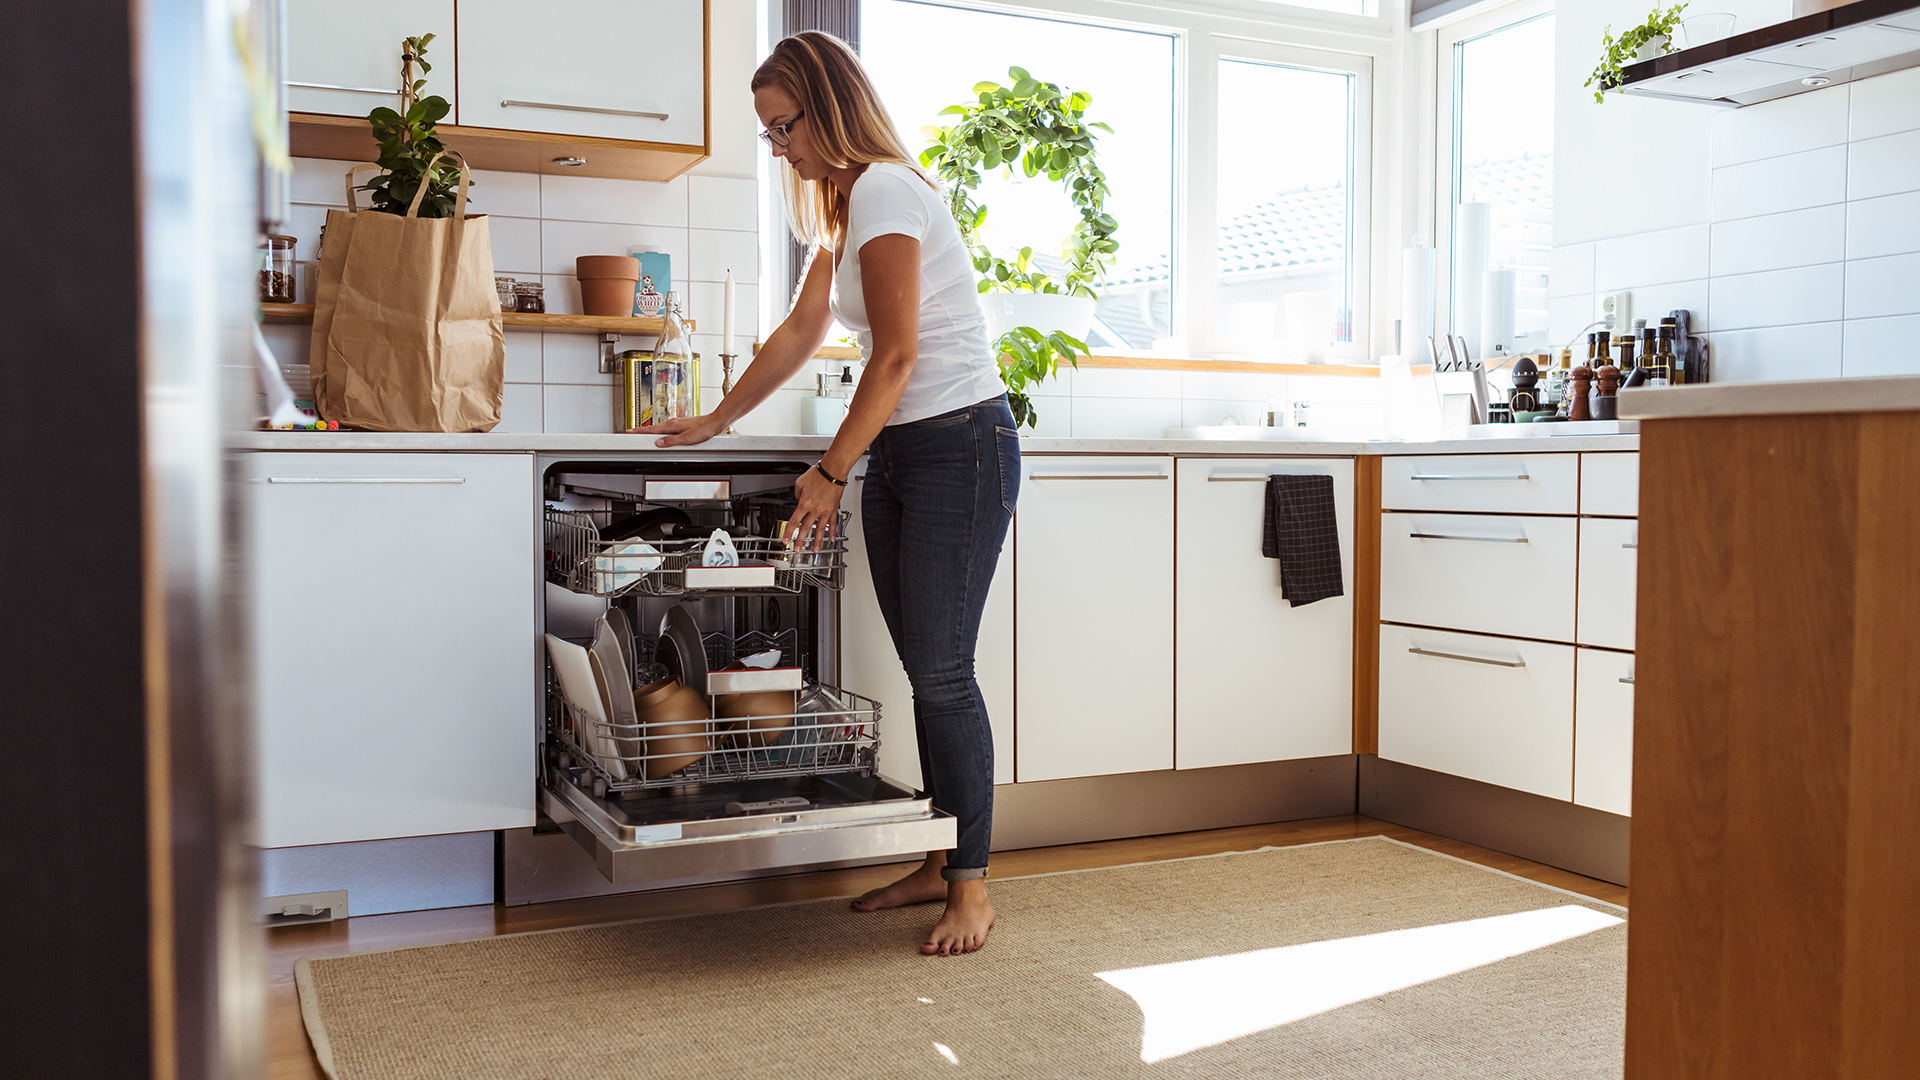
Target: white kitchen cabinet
(1495, 574)
(1610, 484)
(1093, 601)
(1259, 679)
(1609, 572)
(343, 56)
(1603, 730)
(612, 69)
(870, 664)
(1498, 710)
(1482, 483)
(394, 610)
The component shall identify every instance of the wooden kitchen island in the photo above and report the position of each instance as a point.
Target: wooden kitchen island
(1776, 758)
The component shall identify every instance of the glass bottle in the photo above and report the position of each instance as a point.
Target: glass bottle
(1625, 348)
(1665, 363)
(673, 366)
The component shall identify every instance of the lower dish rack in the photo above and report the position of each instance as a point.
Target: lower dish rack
(579, 560)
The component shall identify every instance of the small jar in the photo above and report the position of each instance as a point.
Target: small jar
(504, 287)
(276, 269)
(529, 297)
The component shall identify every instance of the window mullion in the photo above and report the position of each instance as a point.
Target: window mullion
(1198, 270)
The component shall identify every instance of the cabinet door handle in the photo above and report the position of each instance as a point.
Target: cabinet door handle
(1469, 659)
(510, 104)
(1099, 476)
(1480, 539)
(1631, 545)
(1237, 478)
(1628, 680)
(1467, 476)
(347, 89)
(365, 480)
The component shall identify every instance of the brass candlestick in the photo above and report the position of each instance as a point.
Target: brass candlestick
(726, 382)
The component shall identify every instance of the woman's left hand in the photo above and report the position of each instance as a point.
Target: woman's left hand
(818, 517)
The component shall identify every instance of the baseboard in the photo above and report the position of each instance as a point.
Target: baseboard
(1577, 838)
(1051, 812)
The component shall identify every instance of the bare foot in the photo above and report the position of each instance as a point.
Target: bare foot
(923, 886)
(963, 929)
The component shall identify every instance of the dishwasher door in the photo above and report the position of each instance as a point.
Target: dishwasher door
(700, 830)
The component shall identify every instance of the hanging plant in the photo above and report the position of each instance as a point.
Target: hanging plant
(409, 141)
(1616, 53)
(1041, 129)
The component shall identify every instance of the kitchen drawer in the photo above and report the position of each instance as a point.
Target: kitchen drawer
(1610, 484)
(1498, 575)
(1489, 709)
(1603, 730)
(1483, 483)
(1609, 565)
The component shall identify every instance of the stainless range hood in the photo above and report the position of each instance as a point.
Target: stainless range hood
(1839, 45)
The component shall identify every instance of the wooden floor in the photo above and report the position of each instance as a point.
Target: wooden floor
(292, 1056)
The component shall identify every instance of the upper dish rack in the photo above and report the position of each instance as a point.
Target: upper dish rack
(577, 559)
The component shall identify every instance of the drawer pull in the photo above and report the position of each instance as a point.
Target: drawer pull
(1467, 476)
(1628, 680)
(1238, 478)
(1099, 476)
(1469, 659)
(1631, 545)
(366, 480)
(347, 89)
(1481, 539)
(581, 108)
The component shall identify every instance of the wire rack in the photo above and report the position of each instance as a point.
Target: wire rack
(577, 559)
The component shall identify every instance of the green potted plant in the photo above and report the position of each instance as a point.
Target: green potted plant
(409, 141)
(1037, 319)
(1644, 42)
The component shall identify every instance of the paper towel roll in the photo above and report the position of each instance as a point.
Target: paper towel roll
(1416, 299)
(1496, 311)
(1474, 240)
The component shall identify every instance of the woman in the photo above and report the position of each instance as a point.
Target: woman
(931, 413)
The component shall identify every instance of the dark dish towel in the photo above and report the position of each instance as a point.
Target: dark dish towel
(1302, 532)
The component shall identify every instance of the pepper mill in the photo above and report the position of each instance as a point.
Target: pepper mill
(1606, 402)
(1524, 397)
(1581, 382)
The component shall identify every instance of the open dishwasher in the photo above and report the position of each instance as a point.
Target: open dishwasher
(695, 729)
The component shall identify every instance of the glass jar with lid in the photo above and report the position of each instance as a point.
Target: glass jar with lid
(676, 379)
(529, 297)
(276, 269)
(504, 287)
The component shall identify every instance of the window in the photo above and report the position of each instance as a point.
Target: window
(1130, 77)
(1500, 154)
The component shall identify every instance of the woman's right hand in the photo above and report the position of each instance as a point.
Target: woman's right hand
(685, 431)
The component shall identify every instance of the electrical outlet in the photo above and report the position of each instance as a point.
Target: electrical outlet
(1617, 308)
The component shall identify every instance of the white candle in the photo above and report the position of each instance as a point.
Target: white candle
(726, 327)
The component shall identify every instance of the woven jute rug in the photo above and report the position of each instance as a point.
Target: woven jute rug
(1359, 958)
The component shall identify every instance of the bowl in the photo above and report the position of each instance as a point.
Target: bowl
(764, 714)
(676, 722)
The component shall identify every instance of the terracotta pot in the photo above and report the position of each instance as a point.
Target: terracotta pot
(676, 722)
(766, 714)
(606, 283)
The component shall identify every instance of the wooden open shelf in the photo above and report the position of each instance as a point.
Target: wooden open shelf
(552, 324)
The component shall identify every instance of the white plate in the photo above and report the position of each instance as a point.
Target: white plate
(574, 668)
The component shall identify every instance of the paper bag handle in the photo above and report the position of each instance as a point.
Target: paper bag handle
(460, 199)
(353, 201)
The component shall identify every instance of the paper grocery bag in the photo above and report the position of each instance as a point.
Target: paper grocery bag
(407, 331)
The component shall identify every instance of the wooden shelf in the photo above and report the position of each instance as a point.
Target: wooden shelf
(348, 138)
(552, 324)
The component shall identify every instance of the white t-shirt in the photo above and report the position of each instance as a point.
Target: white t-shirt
(954, 368)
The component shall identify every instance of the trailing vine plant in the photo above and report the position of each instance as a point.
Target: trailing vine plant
(1616, 53)
(408, 141)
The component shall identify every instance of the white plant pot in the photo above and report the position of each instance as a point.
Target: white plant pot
(1651, 48)
(1045, 312)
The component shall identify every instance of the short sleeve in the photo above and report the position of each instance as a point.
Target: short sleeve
(885, 202)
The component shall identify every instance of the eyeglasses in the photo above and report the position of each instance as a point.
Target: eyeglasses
(781, 134)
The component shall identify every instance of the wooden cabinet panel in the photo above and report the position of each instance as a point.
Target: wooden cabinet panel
(1609, 565)
(394, 610)
(1094, 606)
(1491, 709)
(1483, 483)
(1603, 730)
(356, 44)
(1610, 484)
(586, 68)
(1498, 575)
(1258, 679)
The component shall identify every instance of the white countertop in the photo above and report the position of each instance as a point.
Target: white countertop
(1893, 394)
(1192, 442)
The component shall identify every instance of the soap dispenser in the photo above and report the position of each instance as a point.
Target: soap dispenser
(822, 413)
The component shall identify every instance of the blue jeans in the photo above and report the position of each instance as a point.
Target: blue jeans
(938, 499)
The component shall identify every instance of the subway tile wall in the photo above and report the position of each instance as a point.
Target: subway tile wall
(1809, 263)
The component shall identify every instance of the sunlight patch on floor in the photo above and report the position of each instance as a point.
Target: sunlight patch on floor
(1194, 1004)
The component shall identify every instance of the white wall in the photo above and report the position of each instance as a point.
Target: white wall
(1790, 229)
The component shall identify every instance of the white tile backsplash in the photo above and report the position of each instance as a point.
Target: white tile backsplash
(508, 193)
(1126, 382)
(1889, 286)
(1885, 104)
(716, 251)
(563, 242)
(1124, 418)
(1570, 270)
(1807, 351)
(1883, 166)
(1654, 302)
(1885, 226)
(523, 357)
(1777, 184)
(610, 201)
(1231, 386)
(1211, 412)
(1778, 241)
(580, 409)
(1883, 346)
(1568, 316)
(521, 410)
(1804, 294)
(1651, 259)
(516, 245)
(575, 358)
(1784, 126)
(721, 202)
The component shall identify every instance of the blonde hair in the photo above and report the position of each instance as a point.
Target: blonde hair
(849, 127)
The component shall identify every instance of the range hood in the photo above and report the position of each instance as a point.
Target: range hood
(1839, 45)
